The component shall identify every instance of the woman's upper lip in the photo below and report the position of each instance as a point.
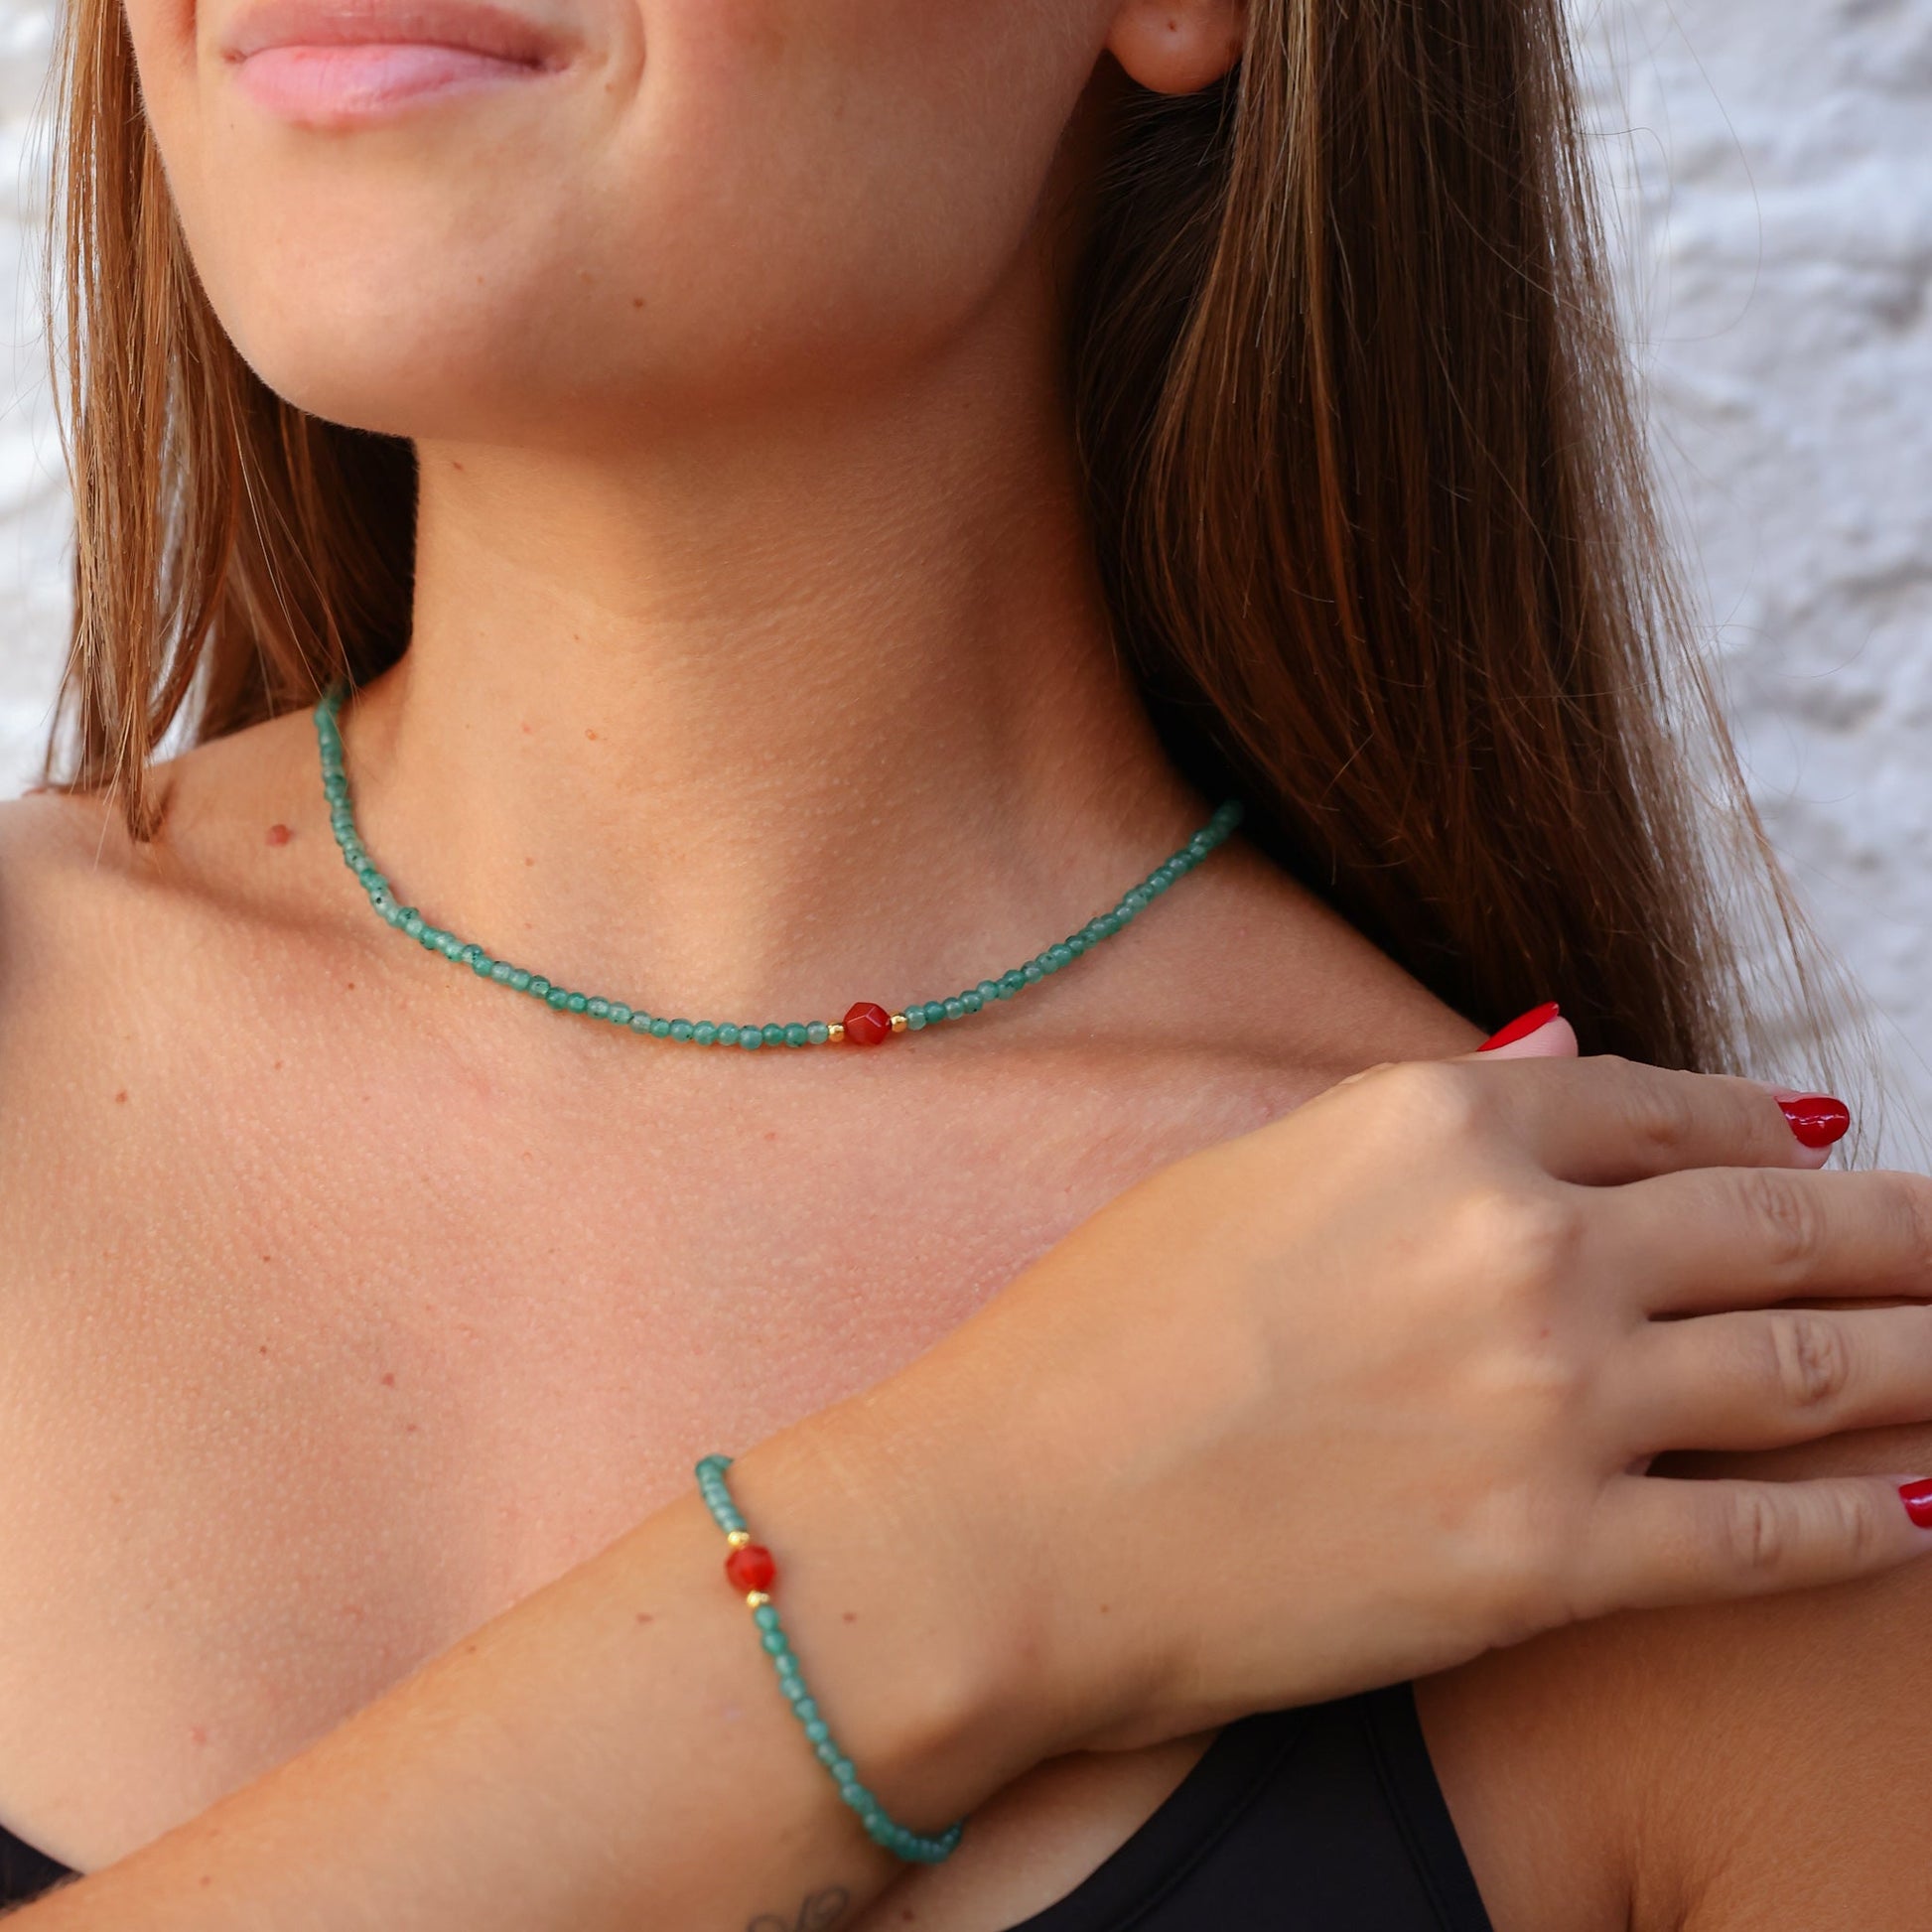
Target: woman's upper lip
(499, 32)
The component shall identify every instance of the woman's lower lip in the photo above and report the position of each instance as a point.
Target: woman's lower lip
(330, 86)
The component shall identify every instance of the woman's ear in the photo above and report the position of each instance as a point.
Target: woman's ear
(1177, 47)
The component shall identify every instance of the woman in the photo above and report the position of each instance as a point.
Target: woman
(711, 452)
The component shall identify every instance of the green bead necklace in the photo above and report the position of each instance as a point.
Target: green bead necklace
(867, 1024)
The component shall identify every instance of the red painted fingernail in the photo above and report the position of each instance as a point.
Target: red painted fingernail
(1522, 1026)
(1917, 1498)
(1816, 1117)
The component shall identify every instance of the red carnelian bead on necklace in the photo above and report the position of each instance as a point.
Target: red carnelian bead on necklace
(868, 1023)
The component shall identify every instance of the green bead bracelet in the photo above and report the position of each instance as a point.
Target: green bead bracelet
(750, 1568)
(866, 1023)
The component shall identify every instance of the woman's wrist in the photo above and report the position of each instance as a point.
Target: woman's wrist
(615, 1742)
(910, 1595)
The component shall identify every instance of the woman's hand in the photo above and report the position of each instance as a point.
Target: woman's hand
(1371, 1390)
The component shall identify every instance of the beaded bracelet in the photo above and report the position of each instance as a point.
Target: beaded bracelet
(750, 1568)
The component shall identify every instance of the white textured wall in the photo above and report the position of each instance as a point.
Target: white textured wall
(1775, 167)
(32, 523)
(1773, 161)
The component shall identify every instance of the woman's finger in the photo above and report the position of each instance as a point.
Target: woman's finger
(1659, 1539)
(1718, 1238)
(1604, 1120)
(1775, 1376)
(1540, 1034)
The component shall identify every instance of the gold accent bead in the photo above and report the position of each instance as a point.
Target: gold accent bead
(899, 1023)
(736, 1538)
(834, 1031)
(754, 1598)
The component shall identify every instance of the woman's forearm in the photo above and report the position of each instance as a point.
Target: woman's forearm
(614, 1750)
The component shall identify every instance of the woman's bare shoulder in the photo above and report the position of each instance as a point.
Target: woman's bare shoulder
(71, 873)
(1765, 1763)
(1319, 994)
(70, 880)
(116, 953)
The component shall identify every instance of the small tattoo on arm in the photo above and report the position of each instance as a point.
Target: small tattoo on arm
(820, 1910)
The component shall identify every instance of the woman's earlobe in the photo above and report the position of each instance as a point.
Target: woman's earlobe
(1177, 47)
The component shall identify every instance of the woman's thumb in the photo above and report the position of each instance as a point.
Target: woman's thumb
(1542, 1033)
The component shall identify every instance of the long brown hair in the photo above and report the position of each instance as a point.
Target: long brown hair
(1366, 483)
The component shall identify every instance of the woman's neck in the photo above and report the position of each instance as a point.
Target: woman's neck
(775, 717)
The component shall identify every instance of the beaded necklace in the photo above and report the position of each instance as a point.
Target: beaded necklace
(865, 1023)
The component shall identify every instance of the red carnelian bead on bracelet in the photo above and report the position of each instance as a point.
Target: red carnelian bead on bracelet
(751, 1567)
(750, 1564)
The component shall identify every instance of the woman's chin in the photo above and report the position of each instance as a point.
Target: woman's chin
(387, 402)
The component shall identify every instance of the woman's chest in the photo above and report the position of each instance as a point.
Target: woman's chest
(312, 1381)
